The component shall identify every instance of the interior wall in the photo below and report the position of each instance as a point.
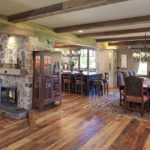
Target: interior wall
(131, 62)
(106, 62)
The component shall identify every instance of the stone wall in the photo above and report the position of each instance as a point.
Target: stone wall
(13, 47)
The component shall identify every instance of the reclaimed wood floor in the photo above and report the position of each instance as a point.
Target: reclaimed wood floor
(71, 127)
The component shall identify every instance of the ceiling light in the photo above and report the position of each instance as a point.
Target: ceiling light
(80, 31)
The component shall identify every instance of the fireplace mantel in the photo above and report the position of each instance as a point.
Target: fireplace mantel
(12, 72)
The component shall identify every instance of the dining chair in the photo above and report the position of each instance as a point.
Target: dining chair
(135, 73)
(126, 74)
(131, 73)
(121, 88)
(79, 83)
(134, 95)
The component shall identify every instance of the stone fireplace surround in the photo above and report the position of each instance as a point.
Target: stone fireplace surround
(11, 48)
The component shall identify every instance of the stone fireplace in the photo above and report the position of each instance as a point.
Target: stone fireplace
(13, 80)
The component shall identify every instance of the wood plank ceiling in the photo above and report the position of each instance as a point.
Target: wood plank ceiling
(104, 20)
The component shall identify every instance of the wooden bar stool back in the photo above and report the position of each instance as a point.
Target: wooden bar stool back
(79, 83)
(67, 82)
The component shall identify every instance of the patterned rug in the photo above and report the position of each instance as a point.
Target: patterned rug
(110, 104)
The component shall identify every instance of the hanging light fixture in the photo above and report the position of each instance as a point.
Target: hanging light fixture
(79, 52)
(143, 54)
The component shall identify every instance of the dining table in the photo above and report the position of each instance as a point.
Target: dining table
(146, 83)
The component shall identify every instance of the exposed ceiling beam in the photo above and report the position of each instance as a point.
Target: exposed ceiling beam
(126, 21)
(72, 46)
(122, 39)
(118, 32)
(68, 6)
(139, 42)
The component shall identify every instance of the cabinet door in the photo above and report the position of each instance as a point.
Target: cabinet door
(47, 77)
(37, 80)
(56, 75)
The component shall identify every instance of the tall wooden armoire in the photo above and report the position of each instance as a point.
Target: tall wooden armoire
(46, 78)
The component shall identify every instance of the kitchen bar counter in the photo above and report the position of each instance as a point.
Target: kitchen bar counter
(88, 77)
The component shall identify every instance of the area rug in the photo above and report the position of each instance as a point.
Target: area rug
(110, 104)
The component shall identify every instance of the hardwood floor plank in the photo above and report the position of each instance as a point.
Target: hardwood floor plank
(142, 139)
(147, 143)
(123, 138)
(70, 127)
(103, 139)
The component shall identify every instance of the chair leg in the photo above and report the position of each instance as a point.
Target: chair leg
(125, 106)
(69, 87)
(92, 89)
(104, 88)
(81, 88)
(120, 98)
(142, 109)
(75, 89)
(107, 88)
(64, 87)
(98, 90)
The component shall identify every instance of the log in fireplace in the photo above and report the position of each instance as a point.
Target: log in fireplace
(8, 94)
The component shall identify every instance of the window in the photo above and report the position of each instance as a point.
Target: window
(75, 60)
(92, 59)
(142, 68)
(83, 59)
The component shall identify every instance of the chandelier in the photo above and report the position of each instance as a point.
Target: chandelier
(143, 54)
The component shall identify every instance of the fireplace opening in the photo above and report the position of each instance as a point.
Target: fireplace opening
(8, 95)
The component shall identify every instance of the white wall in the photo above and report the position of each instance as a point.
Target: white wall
(106, 62)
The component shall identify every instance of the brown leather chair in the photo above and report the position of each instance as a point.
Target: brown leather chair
(67, 82)
(79, 83)
(134, 94)
(99, 83)
(121, 88)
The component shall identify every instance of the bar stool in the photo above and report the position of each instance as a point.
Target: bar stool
(67, 82)
(79, 83)
(98, 84)
(106, 78)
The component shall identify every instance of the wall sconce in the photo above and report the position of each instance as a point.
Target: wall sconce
(79, 52)
(73, 52)
(68, 52)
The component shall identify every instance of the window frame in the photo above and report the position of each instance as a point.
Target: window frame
(146, 70)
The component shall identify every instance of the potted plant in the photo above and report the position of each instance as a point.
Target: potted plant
(72, 64)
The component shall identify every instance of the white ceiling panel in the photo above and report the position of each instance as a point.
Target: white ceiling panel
(9, 7)
(131, 8)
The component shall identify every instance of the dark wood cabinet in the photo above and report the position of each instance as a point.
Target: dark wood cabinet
(46, 78)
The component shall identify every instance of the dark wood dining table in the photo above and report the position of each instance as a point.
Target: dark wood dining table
(146, 83)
